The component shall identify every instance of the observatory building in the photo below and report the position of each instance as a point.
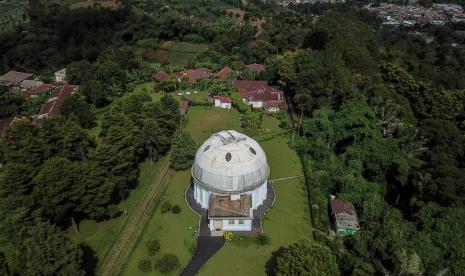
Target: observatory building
(230, 176)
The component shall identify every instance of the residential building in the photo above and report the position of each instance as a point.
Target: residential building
(259, 94)
(183, 107)
(13, 79)
(223, 102)
(52, 106)
(224, 73)
(60, 75)
(345, 216)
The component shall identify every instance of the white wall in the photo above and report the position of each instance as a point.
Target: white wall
(247, 226)
(218, 103)
(202, 195)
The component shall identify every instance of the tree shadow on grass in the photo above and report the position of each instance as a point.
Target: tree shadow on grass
(270, 266)
(90, 259)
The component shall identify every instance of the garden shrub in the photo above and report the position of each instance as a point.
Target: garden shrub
(145, 265)
(153, 247)
(165, 207)
(176, 209)
(167, 263)
(263, 239)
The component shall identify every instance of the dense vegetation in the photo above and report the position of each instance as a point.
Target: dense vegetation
(383, 127)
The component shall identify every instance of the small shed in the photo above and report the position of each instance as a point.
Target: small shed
(223, 102)
(60, 75)
(183, 107)
(161, 75)
(345, 216)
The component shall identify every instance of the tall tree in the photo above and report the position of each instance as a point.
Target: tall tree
(44, 250)
(183, 150)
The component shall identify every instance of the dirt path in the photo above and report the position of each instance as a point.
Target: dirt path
(121, 250)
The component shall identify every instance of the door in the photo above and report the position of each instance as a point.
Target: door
(218, 224)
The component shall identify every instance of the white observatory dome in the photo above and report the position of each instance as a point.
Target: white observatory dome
(230, 162)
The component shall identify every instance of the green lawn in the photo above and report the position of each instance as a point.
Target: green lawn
(100, 236)
(286, 222)
(204, 121)
(183, 52)
(174, 231)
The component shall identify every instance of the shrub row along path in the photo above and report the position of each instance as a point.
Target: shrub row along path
(119, 253)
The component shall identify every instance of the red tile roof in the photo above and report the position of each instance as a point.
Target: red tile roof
(39, 89)
(194, 74)
(222, 99)
(183, 104)
(340, 206)
(256, 67)
(224, 73)
(14, 77)
(5, 123)
(252, 90)
(59, 94)
(160, 76)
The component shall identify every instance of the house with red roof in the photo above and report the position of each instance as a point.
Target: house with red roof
(259, 94)
(13, 79)
(194, 75)
(224, 73)
(345, 216)
(256, 67)
(223, 102)
(7, 122)
(52, 106)
(39, 90)
(159, 76)
(183, 107)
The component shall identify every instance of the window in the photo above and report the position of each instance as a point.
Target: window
(228, 157)
(206, 148)
(240, 222)
(231, 222)
(252, 151)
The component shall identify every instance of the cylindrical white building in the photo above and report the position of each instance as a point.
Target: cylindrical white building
(231, 170)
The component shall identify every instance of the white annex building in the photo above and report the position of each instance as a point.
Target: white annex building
(230, 175)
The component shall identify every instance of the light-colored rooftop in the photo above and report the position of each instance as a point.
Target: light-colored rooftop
(230, 162)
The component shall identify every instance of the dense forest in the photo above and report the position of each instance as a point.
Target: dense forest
(383, 127)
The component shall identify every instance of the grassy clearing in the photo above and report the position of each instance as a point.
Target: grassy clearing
(170, 52)
(100, 236)
(204, 121)
(108, 4)
(286, 222)
(174, 231)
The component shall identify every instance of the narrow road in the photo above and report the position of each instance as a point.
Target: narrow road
(121, 250)
(206, 247)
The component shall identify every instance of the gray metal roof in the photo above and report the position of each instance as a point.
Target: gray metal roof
(230, 161)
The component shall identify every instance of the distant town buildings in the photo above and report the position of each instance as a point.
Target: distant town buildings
(411, 14)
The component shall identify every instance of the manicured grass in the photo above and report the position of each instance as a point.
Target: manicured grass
(286, 222)
(174, 231)
(100, 236)
(204, 121)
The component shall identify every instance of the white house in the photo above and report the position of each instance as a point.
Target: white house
(230, 177)
(259, 94)
(60, 75)
(223, 102)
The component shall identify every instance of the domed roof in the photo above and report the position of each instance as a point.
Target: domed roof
(230, 161)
